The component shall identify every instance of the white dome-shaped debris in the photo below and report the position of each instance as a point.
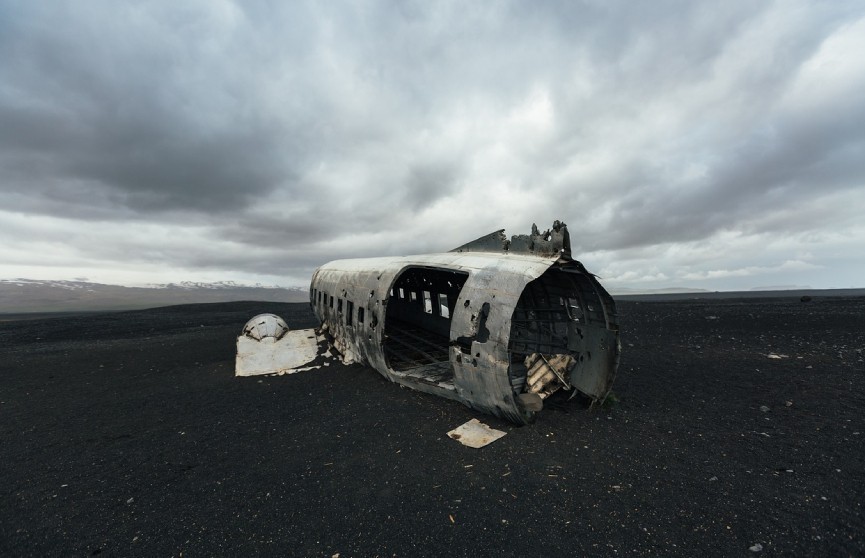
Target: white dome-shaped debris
(265, 327)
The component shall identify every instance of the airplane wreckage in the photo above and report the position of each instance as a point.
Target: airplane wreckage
(497, 324)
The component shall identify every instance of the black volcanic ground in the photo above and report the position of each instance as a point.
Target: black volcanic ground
(127, 434)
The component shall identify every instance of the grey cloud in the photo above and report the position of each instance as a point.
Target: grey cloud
(428, 182)
(291, 231)
(780, 161)
(299, 129)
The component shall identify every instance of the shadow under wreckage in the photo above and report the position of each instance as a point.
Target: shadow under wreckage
(497, 324)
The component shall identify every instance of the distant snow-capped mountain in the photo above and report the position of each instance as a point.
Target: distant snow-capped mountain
(32, 295)
(188, 285)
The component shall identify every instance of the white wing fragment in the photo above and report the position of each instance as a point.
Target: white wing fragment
(267, 346)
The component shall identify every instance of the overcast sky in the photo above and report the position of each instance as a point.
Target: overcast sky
(716, 145)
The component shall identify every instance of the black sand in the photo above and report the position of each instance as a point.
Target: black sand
(127, 434)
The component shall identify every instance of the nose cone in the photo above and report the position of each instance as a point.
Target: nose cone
(265, 327)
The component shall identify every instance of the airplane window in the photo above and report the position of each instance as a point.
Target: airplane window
(444, 311)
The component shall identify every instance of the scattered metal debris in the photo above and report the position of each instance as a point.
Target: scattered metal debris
(475, 434)
(547, 375)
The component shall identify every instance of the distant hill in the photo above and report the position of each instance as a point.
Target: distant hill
(20, 296)
(694, 294)
(625, 291)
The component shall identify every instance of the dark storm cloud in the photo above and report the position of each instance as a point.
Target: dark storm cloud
(137, 107)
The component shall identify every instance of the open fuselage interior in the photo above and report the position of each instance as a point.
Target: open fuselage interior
(551, 316)
(418, 322)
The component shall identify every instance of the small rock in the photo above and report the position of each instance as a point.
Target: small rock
(713, 479)
(764, 408)
(756, 548)
(129, 501)
(788, 403)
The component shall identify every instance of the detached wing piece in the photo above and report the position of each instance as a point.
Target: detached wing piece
(267, 346)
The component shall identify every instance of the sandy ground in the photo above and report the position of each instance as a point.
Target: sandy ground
(127, 434)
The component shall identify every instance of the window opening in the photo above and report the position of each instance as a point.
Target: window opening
(444, 311)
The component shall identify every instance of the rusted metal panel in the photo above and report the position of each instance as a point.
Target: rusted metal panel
(462, 324)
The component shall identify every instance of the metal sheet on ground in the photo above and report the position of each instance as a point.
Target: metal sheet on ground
(475, 434)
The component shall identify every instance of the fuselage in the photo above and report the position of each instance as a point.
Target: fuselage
(469, 325)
